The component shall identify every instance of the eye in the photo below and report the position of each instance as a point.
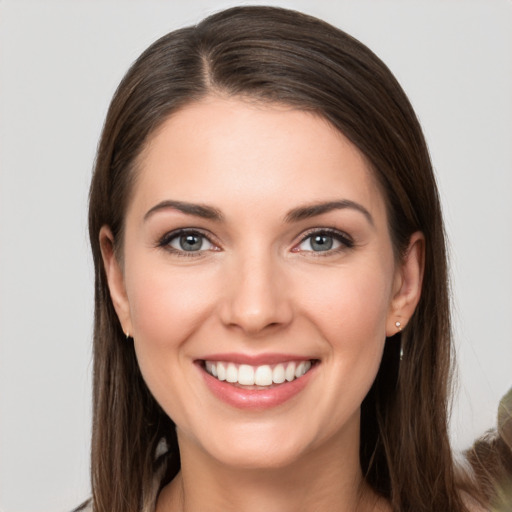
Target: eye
(185, 241)
(324, 241)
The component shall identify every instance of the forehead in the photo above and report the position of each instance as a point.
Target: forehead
(220, 149)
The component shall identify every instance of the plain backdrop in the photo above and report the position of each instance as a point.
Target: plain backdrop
(59, 65)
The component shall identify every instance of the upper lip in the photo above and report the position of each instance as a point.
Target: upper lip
(255, 359)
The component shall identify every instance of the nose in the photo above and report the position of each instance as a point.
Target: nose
(256, 297)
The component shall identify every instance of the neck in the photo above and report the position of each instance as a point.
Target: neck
(325, 478)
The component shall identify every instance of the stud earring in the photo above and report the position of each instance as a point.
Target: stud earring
(398, 325)
(127, 335)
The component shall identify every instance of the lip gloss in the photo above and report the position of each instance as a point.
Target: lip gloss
(255, 399)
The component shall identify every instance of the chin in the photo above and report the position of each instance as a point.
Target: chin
(255, 448)
(247, 457)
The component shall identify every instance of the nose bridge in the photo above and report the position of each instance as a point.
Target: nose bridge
(256, 295)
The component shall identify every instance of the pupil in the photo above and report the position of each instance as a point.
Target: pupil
(190, 242)
(321, 243)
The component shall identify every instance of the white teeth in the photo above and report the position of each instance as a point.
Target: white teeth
(263, 375)
(231, 373)
(290, 372)
(300, 370)
(221, 371)
(246, 375)
(278, 374)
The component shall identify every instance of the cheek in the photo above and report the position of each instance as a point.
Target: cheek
(350, 303)
(166, 305)
(167, 308)
(350, 313)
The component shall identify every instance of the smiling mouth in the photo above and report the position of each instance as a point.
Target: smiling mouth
(258, 377)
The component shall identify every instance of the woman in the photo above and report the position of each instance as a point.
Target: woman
(271, 325)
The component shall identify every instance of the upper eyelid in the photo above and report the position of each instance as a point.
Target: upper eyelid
(343, 238)
(332, 231)
(170, 235)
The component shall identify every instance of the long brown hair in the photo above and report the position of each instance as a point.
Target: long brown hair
(278, 55)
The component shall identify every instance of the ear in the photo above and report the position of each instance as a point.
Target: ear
(407, 285)
(115, 278)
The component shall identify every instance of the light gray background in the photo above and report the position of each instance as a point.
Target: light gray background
(59, 65)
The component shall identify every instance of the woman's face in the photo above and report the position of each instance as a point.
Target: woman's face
(258, 281)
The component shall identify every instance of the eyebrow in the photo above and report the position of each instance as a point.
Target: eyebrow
(295, 215)
(197, 210)
(312, 210)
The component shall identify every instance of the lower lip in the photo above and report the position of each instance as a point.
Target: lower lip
(256, 399)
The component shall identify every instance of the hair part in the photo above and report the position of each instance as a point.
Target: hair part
(279, 56)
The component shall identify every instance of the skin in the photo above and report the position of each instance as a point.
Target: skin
(257, 286)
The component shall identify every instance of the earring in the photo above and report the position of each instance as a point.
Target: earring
(127, 335)
(398, 325)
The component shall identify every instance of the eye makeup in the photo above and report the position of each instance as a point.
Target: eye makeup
(187, 242)
(194, 242)
(324, 242)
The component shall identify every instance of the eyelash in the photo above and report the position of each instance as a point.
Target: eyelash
(341, 237)
(165, 242)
